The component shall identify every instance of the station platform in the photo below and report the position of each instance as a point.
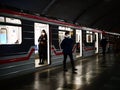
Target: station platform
(93, 73)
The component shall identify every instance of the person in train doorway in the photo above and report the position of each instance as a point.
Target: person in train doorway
(103, 44)
(42, 47)
(67, 46)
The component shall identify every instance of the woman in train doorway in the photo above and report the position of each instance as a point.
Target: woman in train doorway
(42, 47)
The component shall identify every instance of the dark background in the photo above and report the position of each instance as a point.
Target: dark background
(97, 14)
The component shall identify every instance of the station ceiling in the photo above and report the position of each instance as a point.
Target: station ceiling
(98, 14)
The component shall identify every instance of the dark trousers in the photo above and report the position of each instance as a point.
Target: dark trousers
(103, 50)
(71, 59)
(42, 53)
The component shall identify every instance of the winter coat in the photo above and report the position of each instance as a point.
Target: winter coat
(103, 43)
(67, 45)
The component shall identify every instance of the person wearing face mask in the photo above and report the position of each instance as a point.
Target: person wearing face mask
(67, 46)
(42, 47)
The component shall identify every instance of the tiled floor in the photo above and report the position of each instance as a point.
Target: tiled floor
(94, 73)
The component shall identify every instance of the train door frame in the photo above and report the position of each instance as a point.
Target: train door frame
(79, 40)
(36, 35)
(3, 32)
(96, 43)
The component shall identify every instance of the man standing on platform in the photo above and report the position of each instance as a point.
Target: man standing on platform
(67, 46)
(103, 44)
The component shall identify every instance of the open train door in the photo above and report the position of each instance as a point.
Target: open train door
(96, 42)
(78, 43)
(40, 58)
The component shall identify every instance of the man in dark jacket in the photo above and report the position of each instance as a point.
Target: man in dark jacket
(103, 44)
(67, 46)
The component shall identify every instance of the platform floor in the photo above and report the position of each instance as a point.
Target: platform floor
(94, 73)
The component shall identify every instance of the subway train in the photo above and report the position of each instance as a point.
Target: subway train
(19, 34)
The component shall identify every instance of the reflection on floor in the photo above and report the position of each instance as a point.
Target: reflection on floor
(39, 65)
(94, 73)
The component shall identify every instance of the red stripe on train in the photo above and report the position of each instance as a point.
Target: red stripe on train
(60, 53)
(18, 59)
(37, 17)
(55, 52)
(88, 49)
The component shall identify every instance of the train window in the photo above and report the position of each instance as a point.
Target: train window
(10, 20)
(89, 37)
(10, 34)
(61, 36)
(2, 19)
(61, 33)
(13, 20)
(64, 28)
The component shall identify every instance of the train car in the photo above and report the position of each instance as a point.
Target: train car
(113, 42)
(19, 34)
(90, 41)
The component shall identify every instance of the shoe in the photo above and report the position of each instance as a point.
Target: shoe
(40, 63)
(74, 69)
(65, 70)
(74, 72)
